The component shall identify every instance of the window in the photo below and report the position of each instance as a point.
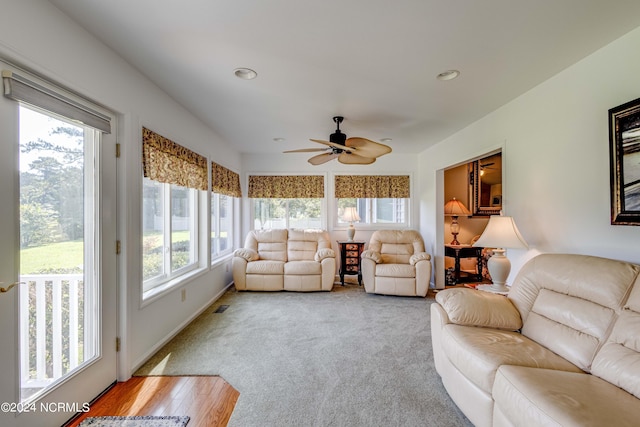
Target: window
(287, 213)
(375, 211)
(170, 232)
(287, 201)
(222, 207)
(174, 178)
(378, 199)
(225, 191)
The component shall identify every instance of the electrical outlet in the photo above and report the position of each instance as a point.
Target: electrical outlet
(184, 295)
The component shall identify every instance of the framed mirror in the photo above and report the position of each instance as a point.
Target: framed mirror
(485, 177)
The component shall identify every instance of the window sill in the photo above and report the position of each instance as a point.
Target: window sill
(160, 291)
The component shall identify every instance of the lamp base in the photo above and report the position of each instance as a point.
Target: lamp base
(499, 267)
(351, 232)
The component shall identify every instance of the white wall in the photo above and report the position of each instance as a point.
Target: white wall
(555, 145)
(34, 34)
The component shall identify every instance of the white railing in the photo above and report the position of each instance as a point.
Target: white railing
(51, 328)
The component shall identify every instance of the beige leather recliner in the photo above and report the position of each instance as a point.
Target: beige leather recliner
(395, 263)
(561, 349)
(291, 260)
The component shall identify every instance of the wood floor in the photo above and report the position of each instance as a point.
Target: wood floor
(208, 400)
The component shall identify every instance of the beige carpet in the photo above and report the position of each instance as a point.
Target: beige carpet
(340, 358)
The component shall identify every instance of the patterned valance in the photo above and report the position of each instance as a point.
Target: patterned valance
(286, 187)
(225, 181)
(165, 161)
(372, 186)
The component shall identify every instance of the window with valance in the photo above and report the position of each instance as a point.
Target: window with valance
(225, 181)
(171, 224)
(168, 162)
(280, 201)
(378, 199)
(225, 185)
(286, 186)
(372, 186)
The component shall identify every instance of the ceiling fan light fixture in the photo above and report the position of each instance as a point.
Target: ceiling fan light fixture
(245, 73)
(350, 151)
(448, 75)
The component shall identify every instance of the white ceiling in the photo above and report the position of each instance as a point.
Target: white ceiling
(373, 61)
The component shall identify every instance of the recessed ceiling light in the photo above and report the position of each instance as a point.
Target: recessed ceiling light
(386, 139)
(279, 139)
(448, 75)
(245, 73)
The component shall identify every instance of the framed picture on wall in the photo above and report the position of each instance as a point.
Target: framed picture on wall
(624, 151)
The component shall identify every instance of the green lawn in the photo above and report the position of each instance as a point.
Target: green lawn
(66, 257)
(56, 257)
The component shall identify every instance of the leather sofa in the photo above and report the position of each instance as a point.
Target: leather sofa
(290, 260)
(561, 349)
(395, 263)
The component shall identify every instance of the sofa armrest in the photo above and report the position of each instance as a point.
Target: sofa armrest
(419, 256)
(248, 254)
(372, 255)
(469, 307)
(324, 253)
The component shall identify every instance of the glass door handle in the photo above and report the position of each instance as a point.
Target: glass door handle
(8, 288)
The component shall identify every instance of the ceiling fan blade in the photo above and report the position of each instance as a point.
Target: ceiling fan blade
(355, 159)
(367, 148)
(330, 144)
(306, 150)
(322, 158)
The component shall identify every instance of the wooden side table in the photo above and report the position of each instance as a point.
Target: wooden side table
(350, 259)
(465, 251)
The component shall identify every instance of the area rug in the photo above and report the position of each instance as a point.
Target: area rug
(136, 421)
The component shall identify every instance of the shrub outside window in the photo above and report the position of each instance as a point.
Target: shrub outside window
(299, 213)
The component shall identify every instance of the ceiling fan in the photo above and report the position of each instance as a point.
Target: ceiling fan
(351, 151)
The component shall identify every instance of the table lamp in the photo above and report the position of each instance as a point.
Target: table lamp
(350, 215)
(501, 233)
(454, 208)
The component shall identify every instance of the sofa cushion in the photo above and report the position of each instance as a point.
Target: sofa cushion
(572, 327)
(543, 397)
(302, 245)
(265, 267)
(474, 308)
(396, 246)
(302, 268)
(568, 302)
(478, 352)
(270, 244)
(619, 359)
(395, 270)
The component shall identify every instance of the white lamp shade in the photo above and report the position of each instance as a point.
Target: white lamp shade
(350, 214)
(501, 232)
